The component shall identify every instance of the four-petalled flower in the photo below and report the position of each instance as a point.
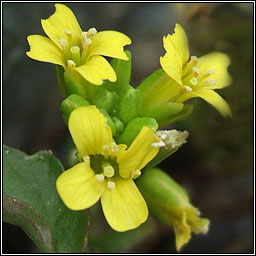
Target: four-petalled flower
(107, 170)
(75, 49)
(196, 77)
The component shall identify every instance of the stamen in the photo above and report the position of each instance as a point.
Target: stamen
(68, 32)
(99, 177)
(111, 185)
(158, 144)
(86, 158)
(209, 72)
(91, 32)
(85, 40)
(63, 43)
(114, 147)
(108, 171)
(194, 60)
(105, 150)
(75, 53)
(186, 88)
(136, 174)
(71, 64)
(193, 81)
(174, 138)
(210, 81)
(196, 71)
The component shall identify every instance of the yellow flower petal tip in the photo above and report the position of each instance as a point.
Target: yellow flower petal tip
(67, 45)
(100, 175)
(197, 77)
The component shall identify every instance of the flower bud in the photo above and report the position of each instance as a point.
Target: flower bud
(134, 127)
(169, 203)
(70, 103)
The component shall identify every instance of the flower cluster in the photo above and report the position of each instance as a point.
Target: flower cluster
(117, 128)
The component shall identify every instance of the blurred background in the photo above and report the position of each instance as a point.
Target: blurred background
(215, 166)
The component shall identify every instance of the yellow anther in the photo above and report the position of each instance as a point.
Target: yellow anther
(86, 158)
(209, 72)
(99, 177)
(111, 185)
(193, 81)
(114, 147)
(194, 60)
(71, 64)
(91, 32)
(105, 150)
(108, 171)
(68, 32)
(187, 88)
(63, 43)
(136, 174)
(196, 71)
(210, 81)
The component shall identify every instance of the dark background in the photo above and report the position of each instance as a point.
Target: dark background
(215, 166)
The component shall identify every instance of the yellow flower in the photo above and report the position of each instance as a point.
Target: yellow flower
(75, 49)
(196, 77)
(107, 170)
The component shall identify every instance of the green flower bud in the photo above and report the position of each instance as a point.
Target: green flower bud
(118, 124)
(133, 128)
(70, 103)
(129, 104)
(105, 99)
(169, 203)
(109, 121)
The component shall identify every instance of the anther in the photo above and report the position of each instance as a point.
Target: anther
(136, 174)
(209, 72)
(99, 177)
(111, 185)
(193, 81)
(105, 150)
(108, 171)
(86, 158)
(75, 49)
(68, 32)
(91, 32)
(194, 60)
(196, 71)
(114, 147)
(63, 43)
(210, 81)
(187, 88)
(71, 64)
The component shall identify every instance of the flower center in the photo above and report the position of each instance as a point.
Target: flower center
(193, 79)
(76, 49)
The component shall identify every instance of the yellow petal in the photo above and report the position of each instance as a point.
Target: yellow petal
(124, 207)
(96, 69)
(43, 49)
(63, 19)
(177, 53)
(218, 62)
(212, 98)
(138, 154)
(78, 187)
(109, 43)
(89, 130)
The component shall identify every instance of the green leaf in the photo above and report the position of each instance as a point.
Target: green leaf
(30, 200)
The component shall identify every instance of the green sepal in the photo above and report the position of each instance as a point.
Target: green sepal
(169, 203)
(123, 73)
(129, 104)
(133, 128)
(60, 77)
(109, 121)
(76, 84)
(31, 201)
(119, 125)
(71, 103)
(105, 99)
